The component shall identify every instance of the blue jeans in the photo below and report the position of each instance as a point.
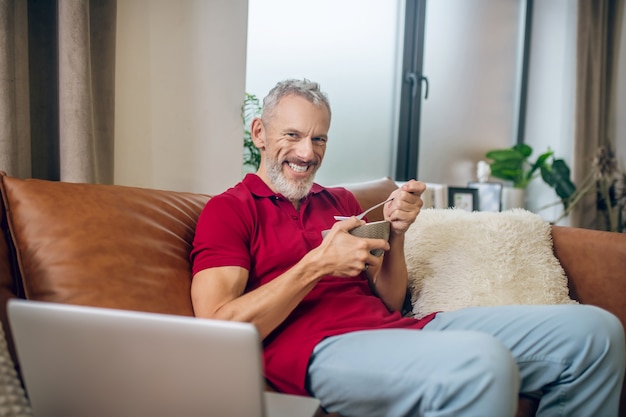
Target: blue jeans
(475, 362)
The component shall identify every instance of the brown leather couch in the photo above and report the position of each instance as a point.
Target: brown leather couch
(124, 247)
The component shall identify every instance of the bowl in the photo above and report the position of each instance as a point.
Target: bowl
(373, 230)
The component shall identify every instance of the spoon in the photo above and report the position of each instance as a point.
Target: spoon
(360, 216)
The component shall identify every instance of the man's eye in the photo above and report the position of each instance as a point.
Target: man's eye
(320, 140)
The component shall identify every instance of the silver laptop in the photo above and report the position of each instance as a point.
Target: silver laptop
(87, 361)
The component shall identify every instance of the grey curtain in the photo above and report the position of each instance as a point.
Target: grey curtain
(599, 26)
(57, 85)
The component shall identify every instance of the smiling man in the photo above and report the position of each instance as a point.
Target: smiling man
(328, 310)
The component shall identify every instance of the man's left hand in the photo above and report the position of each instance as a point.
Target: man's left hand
(406, 205)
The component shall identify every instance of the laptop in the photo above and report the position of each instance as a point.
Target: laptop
(81, 361)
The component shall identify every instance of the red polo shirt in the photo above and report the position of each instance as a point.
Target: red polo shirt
(252, 227)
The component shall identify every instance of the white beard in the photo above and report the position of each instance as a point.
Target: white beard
(293, 191)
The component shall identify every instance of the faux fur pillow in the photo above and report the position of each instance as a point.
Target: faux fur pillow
(460, 259)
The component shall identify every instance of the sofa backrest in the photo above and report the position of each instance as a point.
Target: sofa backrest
(595, 264)
(103, 245)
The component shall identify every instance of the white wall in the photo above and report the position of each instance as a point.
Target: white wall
(180, 81)
(351, 48)
(551, 93)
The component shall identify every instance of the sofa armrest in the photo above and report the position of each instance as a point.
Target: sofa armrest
(595, 264)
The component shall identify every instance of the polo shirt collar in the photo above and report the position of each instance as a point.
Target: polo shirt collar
(260, 189)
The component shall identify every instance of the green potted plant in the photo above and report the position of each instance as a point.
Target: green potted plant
(250, 109)
(513, 164)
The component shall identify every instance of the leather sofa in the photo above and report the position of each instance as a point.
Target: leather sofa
(124, 247)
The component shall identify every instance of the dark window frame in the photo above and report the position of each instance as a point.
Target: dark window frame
(407, 154)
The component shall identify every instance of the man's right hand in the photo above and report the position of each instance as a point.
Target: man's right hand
(345, 255)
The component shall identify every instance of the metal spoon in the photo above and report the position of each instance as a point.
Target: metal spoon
(360, 216)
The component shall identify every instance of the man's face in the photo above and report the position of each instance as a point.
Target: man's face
(293, 143)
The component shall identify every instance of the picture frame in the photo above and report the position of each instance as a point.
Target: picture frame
(463, 198)
(489, 195)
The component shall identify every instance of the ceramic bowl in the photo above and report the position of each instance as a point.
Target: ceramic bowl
(373, 230)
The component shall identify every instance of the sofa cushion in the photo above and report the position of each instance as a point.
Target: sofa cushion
(459, 259)
(103, 245)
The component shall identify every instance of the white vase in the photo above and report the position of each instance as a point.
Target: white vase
(513, 198)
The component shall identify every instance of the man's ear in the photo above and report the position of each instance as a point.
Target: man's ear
(257, 133)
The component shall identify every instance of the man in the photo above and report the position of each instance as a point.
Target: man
(329, 311)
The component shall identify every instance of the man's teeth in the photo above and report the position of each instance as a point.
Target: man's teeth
(298, 168)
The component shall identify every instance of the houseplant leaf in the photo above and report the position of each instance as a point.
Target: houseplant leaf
(557, 176)
(511, 164)
(539, 163)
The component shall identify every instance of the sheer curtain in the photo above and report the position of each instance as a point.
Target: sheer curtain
(599, 26)
(57, 84)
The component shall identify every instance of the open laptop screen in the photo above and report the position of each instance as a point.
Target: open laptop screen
(87, 361)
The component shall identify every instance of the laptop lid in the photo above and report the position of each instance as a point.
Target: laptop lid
(81, 361)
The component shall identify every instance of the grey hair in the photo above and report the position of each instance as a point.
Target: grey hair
(306, 89)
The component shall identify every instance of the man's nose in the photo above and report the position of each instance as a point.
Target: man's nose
(304, 149)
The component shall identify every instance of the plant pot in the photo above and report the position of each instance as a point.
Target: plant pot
(513, 198)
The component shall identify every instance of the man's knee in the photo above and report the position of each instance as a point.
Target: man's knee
(483, 364)
(606, 327)
(591, 322)
(611, 326)
(484, 355)
(484, 374)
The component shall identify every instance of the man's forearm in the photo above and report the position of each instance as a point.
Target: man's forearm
(391, 282)
(270, 304)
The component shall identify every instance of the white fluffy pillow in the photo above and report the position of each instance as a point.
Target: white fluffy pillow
(459, 259)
